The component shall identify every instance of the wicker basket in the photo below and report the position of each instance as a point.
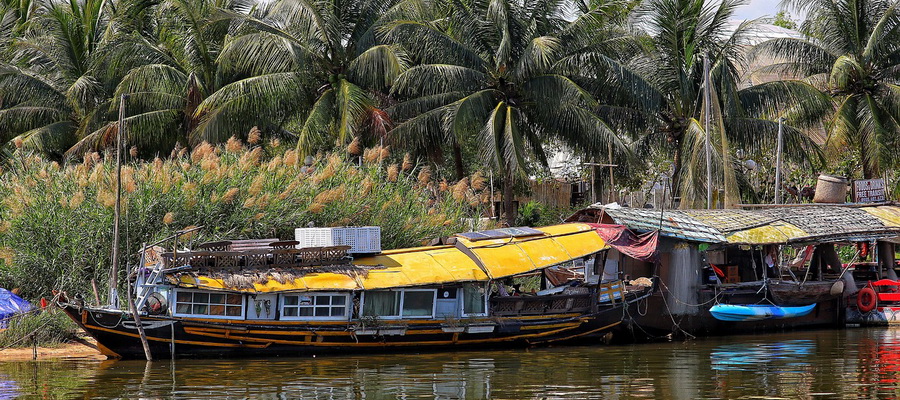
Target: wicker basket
(831, 189)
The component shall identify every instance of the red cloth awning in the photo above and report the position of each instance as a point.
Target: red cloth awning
(643, 247)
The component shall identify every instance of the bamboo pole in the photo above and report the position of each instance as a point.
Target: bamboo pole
(114, 271)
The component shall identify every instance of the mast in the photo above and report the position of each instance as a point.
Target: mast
(706, 130)
(114, 271)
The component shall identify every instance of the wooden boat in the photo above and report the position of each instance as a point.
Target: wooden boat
(792, 293)
(242, 298)
(757, 312)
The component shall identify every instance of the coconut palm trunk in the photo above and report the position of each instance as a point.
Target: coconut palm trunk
(508, 197)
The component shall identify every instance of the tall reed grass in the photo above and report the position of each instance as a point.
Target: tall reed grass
(56, 221)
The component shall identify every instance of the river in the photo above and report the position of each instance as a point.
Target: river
(849, 363)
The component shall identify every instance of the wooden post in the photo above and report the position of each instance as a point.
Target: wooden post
(613, 195)
(96, 292)
(778, 152)
(708, 146)
(134, 312)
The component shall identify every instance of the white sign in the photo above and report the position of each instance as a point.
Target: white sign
(869, 191)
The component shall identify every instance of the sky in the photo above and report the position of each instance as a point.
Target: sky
(757, 8)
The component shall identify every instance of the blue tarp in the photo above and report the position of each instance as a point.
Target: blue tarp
(10, 305)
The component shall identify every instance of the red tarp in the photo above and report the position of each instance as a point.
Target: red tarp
(641, 247)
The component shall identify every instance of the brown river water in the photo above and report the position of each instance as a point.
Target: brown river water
(853, 363)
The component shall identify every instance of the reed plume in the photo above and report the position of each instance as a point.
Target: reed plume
(424, 175)
(392, 172)
(254, 136)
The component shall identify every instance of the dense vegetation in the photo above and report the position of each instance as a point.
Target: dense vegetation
(56, 219)
(484, 84)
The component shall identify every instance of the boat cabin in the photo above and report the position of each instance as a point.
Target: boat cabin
(468, 278)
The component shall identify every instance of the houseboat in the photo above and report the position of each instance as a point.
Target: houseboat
(746, 270)
(503, 287)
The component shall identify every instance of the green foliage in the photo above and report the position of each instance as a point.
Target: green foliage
(56, 222)
(508, 77)
(784, 20)
(849, 53)
(534, 213)
(44, 328)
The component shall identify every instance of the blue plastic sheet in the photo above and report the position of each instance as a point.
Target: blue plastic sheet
(10, 305)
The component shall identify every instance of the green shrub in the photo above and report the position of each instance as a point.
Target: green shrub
(46, 328)
(534, 213)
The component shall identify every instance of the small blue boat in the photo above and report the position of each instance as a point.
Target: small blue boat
(757, 312)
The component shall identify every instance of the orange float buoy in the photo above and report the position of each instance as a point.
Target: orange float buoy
(866, 299)
(863, 248)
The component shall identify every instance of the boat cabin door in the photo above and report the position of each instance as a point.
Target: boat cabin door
(602, 267)
(447, 304)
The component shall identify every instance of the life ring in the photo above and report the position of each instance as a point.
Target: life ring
(866, 300)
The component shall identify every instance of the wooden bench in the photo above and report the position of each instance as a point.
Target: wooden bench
(252, 244)
(223, 245)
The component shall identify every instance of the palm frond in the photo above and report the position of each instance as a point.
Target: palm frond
(378, 67)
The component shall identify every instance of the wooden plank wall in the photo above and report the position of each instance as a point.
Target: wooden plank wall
(552, 193)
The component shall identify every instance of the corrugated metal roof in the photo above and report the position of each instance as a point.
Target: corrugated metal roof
(675, 224)
(791, 224)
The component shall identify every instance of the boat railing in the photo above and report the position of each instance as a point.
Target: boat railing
(536, 305)
(221, 259)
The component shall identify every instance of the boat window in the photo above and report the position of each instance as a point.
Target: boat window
(319, 305)
(399, 303)
(419, 303)
(473, 300)
(382, 303)
(221, 305)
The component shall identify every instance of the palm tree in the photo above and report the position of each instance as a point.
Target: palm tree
(323, 60)
(850, 52)
(662, 90)
(47, 83)
(168, 52)
(504, 76)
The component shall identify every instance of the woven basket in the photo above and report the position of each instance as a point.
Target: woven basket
(831, 189)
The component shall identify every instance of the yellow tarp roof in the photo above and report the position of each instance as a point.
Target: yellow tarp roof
(435, 265)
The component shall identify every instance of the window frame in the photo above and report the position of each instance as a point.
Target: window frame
(402, 303)
(485, 301)
(282, 303)
(175, 312)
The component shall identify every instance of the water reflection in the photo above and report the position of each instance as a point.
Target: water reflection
(822, 364)
(8, 387)
(787, 355)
